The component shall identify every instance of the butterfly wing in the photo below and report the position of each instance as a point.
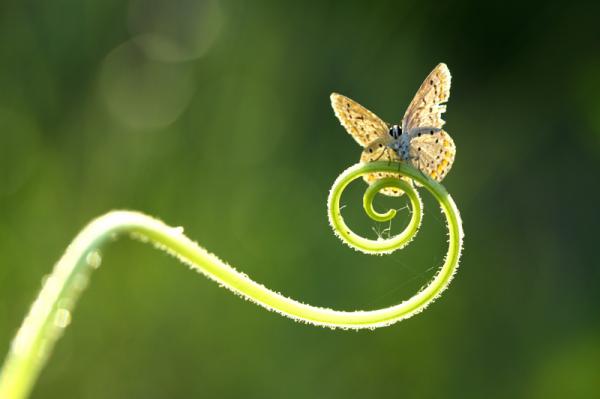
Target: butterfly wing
(380, 151)
(426, 108)
(431, 149)
(370, 132)
(432, 152)
(361, 123)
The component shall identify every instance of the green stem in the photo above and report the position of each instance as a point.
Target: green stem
(51, 312)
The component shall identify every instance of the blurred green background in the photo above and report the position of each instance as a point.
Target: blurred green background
(215, 115)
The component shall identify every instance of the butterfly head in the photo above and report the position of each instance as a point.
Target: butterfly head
(395, 131)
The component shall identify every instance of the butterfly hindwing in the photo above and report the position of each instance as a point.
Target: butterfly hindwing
(380, 151)
(433, 153)
(361, 123)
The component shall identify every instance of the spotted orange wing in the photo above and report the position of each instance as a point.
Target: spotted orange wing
(433, 153)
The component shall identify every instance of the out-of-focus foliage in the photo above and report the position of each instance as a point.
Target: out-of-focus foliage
(215, 115)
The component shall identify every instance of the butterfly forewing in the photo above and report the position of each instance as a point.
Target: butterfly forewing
(426, 108)
(361, 123)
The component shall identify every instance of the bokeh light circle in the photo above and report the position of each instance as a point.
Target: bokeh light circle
(142, 93)
(175, 31)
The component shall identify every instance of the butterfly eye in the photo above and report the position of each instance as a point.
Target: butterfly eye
(395, 131)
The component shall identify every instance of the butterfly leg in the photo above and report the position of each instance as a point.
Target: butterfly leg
(389, 157)
(379, 157)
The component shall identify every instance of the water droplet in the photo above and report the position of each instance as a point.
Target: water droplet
(94, 259)
(65, 303)
(62, 318)
(139, 237)
(80, 282)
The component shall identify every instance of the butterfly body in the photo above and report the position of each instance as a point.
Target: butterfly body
(419, 140)
(400, 143)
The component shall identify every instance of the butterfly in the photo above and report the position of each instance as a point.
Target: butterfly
(419, 140)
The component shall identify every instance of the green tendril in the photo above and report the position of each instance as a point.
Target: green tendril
(51, 311)
(379, 246)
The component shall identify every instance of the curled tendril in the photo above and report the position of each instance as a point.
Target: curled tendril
(383, 246)
(379, 246)
(50, 313)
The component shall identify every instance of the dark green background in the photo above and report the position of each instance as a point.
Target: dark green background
(234, 139)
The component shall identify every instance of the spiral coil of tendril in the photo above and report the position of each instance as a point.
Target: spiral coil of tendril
(379, 246)
(383, 246)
